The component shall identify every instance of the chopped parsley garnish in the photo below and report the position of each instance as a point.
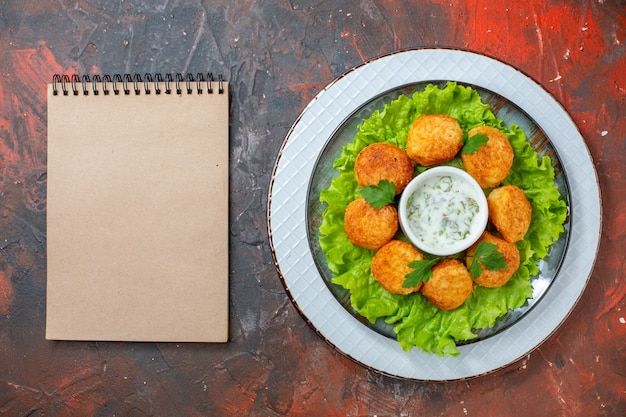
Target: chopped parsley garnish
(487, 256)
(422, 272)
(474, 143)
(379, 195)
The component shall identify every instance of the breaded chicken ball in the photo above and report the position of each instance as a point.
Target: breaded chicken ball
(493, 279)
(491, 163)
(510, 212)
(368, 227)
(390, 266)
(383, 161)
(434, 139)
(450, 286)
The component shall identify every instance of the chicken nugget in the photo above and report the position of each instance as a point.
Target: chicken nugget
(390, 266)
(493, 279)
(450, 286)
(368, 227)
(491, 163)
(510, 212)
(434, 139)
(383, 161)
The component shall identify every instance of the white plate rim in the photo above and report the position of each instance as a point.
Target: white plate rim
(287, 200)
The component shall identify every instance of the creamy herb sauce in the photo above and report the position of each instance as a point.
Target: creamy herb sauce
(442, 211)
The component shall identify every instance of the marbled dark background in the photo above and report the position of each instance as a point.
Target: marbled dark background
(278, 55)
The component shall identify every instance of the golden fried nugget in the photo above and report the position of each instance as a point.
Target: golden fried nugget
(510, 212)
(493, 279)
(383, 161)
(434, 139)
(390, 266)
(450, 286)
(491, 163)
(368, 227)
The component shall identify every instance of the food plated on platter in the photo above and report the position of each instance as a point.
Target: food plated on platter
(439, 260)
(388, 332)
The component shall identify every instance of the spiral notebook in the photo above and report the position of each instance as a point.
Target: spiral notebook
(137, 208)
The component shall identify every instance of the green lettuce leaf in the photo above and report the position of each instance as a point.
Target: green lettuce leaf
(417, 322)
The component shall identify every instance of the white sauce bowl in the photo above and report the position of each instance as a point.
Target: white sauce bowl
(444, 224)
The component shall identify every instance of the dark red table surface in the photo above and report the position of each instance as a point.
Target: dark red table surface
(278, 55)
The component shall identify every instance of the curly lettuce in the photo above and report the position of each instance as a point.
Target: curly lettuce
(417, 323)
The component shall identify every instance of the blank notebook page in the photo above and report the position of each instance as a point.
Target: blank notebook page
(137, 216)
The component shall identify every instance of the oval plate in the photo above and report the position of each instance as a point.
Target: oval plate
(288, 211)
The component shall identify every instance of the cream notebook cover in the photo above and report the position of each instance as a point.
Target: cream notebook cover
(137, 209)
